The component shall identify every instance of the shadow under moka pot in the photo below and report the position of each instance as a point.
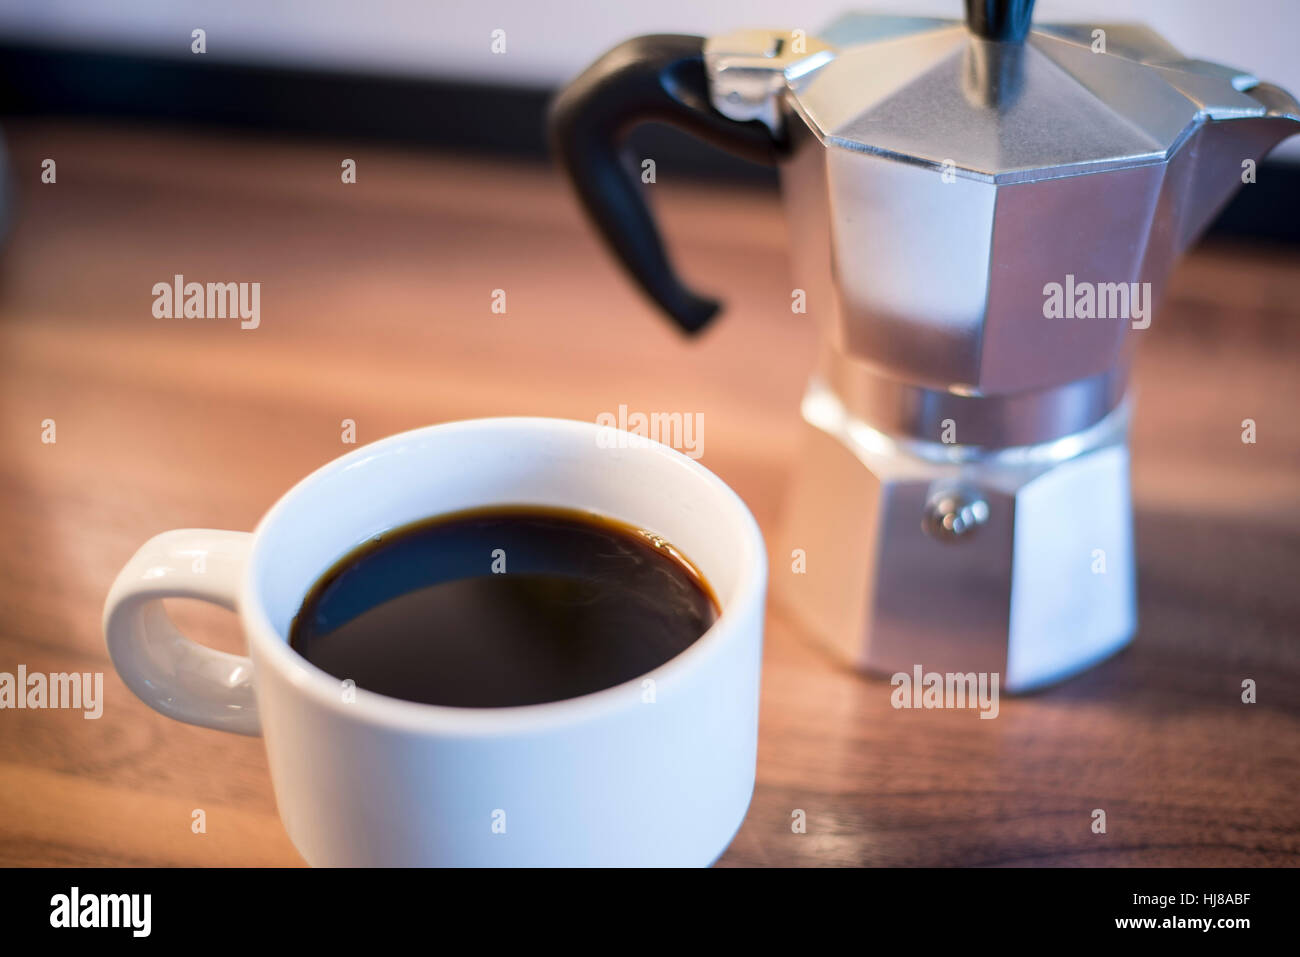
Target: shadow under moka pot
(981, 214)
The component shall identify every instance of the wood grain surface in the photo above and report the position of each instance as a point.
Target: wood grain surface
(376, 307)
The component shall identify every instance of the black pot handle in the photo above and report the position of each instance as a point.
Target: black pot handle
(659, 78)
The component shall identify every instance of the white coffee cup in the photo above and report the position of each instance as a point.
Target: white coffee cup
(656, 771)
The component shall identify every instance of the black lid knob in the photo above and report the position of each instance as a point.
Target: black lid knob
(999, 19)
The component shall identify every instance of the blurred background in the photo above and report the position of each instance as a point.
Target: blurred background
(377, 309)
(334, 67)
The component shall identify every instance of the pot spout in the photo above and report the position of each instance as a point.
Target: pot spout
(1224, 154)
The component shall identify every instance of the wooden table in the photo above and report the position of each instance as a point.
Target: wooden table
(376, 306)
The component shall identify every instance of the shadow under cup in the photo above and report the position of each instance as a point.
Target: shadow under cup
(658, 770)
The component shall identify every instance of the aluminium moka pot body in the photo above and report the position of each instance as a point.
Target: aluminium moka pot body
(983, 214)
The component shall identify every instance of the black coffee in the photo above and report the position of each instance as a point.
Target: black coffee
(503, 606)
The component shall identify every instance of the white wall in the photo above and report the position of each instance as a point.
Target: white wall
(550, 40)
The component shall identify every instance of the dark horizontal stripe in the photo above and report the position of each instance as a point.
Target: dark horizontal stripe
(419, 113)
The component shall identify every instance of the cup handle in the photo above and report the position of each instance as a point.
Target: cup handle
(167, 671)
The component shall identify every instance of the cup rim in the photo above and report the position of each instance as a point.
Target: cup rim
(374, 708)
